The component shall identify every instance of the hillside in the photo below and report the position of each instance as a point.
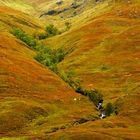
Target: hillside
(38, 103)
(31, 96)
(17, 4)
(106, 57)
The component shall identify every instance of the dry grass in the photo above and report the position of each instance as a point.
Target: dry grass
(106, 57)
(32, 97)
(34, 102)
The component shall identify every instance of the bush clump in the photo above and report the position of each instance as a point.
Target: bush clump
(20, 34)
(45, 55)
(52, 30)
(49, 57)
(109, 109)
(69, 78)
(94, 95)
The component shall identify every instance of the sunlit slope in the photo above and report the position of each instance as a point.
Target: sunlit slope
(106, 56)
(10, 18)
(28, 6)
(112, 129)
(123, 126)
(18, 4)
(33, 100)
(105, 51)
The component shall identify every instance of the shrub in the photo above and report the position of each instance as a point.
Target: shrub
(20, 34)
(45, 55)
(94, 95)
(54, 68)
(44, 58)
(68, 78)
(59, 55)
(63, 76)
(51, 30)
(109, 109)
(39, 57)
(49, 57)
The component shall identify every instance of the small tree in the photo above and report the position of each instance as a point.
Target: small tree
(109, 109)
(51, 30)
(39, 57)
(20, 34)
(59, 55)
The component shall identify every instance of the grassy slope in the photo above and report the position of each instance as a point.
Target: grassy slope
(106, 56)
(18, 4)
(29, 6)
(42, 6)
(10, 18)
(33, 100)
